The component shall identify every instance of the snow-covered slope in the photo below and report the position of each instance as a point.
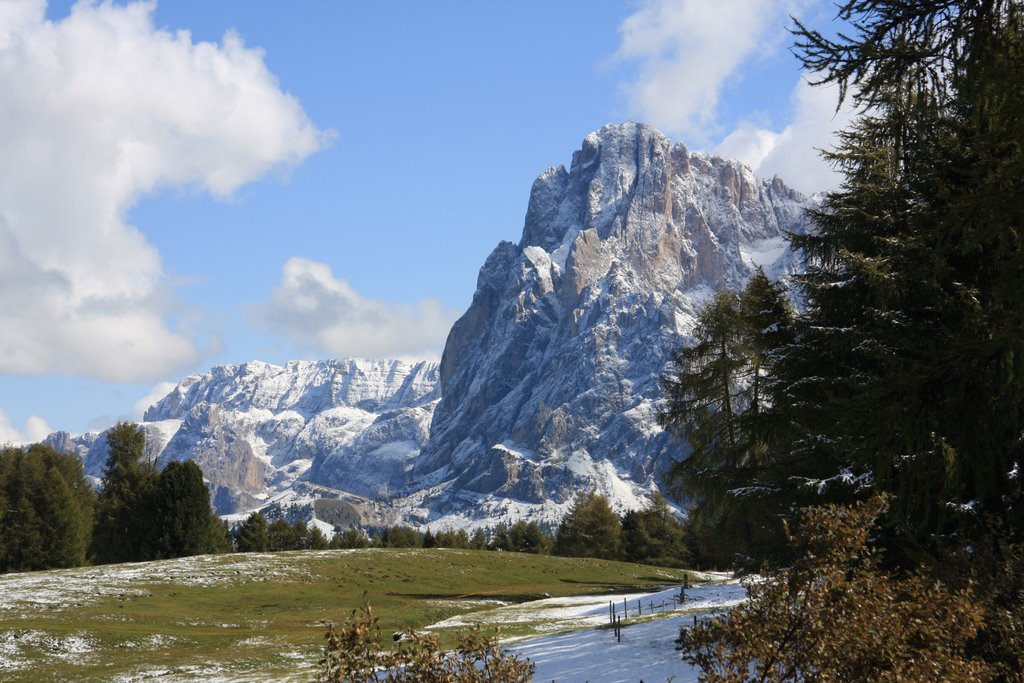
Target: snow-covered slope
(258, 429)
(550, 380)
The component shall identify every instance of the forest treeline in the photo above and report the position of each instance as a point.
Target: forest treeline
(590, 528)
(868, 449)
(51, 516)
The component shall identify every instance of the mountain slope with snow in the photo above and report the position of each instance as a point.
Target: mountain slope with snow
(259, 429)
(550, 381)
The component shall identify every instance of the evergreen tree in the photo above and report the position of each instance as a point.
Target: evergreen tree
(183, 512)
(282, 536)
(315, 539)
(124, 522)
(47, 518)
(479, 539)
(501, 540)
(905, 375)
(352, 538)
(220, 540)
(590, 529)
(721, 399)
(654, 535)
(253, 535)
(527, 537)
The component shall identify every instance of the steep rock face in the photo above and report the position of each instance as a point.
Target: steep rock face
(550, 380)
(257, 429)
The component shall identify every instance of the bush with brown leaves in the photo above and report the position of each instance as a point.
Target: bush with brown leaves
(354, 654)
(836, 615)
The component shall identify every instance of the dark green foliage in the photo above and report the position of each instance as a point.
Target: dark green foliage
(46, 511)
(721, 399)
(284, 536)
(906, 373)
(124, 528)
(654, 536)
(527, 537)
(590, 529)
(399, 536)
(253, 535)
(220, 536)
(500, 539)
(352, 538)
(450, 538)
(183, 512)
(479, 539)
(315, 539)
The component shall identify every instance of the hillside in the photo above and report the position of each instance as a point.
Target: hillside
(254, 617)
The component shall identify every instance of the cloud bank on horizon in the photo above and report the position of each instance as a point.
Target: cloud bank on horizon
(690, 51)
(106, 108)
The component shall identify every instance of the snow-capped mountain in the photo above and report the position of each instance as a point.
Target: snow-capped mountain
(549, 383)
(258, 429)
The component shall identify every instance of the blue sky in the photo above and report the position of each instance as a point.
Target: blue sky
(195, 183)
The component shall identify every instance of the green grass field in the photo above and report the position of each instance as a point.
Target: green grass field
(256, 617)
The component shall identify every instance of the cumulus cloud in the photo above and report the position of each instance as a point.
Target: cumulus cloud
(35, 430)
(319, 311)
(793, 153)
(688, 50)
(98, 109)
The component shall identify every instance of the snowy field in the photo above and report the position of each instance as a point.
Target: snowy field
(646, 652)
(581, 651)
(576, 645)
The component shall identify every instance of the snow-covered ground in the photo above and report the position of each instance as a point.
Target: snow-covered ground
(646, 651)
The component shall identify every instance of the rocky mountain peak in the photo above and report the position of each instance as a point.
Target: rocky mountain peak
(550, 380)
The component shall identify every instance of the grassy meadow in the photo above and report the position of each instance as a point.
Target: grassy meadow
(255, 617)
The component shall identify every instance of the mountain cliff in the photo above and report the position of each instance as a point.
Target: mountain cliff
(550, 381)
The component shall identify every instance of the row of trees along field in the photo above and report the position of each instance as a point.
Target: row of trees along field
(50, 516)
(590, 529)
(901, 379)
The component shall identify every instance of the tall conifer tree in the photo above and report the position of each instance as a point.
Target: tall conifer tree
(124, 529)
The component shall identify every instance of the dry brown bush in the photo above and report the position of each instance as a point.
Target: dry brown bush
(837, 616)
(354, 654)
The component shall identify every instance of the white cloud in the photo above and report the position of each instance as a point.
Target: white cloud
(316, 310)
(35, 430)
(688, 49)
(98, 109)
(159, 390)
(792, 153)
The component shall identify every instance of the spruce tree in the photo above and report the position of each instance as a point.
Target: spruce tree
(314, 539)
(253, 535)
(124, 527)
(47, 518)
(590, 529)
(653, 535)
(183, 513)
